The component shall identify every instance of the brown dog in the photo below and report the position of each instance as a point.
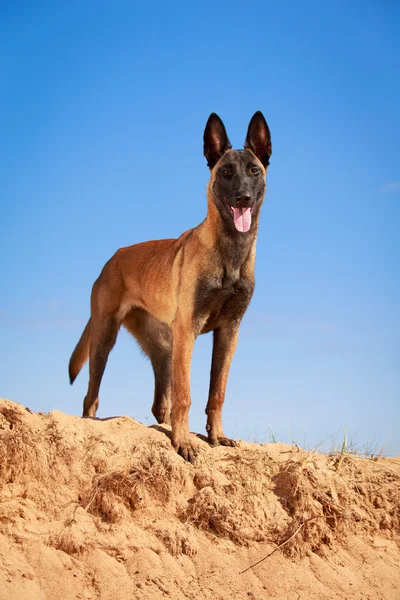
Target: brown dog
(167, 292)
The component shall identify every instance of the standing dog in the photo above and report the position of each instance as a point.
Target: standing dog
(167, 292)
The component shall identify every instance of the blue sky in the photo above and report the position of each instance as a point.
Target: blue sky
(102, 112)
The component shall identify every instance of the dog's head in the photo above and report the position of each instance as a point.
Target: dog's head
(237, 184)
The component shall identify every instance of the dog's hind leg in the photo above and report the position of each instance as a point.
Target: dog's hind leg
(162, 365)
(155, 339)
(104, 331)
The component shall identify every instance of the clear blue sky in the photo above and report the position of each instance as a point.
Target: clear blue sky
(102, 110)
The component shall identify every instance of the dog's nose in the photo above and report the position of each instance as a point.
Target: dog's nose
(243, 199)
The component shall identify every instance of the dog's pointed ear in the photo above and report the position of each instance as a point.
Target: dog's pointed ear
(258, 138)
(216, 141)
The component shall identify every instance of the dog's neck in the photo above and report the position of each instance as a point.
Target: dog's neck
(237, 247)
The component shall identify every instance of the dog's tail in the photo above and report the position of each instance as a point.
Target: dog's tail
(80, 354)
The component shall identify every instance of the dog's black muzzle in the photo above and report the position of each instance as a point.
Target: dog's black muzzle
(242, 200)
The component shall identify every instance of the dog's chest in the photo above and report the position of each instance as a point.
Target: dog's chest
(221, 297)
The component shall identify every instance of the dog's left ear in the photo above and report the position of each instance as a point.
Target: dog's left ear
(258, 138)
(216, 141)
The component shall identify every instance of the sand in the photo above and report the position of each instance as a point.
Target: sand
(105, 509)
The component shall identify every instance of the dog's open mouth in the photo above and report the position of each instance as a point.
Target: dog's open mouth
(241, 217)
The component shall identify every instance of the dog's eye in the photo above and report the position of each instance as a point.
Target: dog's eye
(254, 170)
(225, 172)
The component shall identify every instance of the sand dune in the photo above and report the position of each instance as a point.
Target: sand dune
(105, 509)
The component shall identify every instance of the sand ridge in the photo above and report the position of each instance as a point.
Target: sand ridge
(105, 509)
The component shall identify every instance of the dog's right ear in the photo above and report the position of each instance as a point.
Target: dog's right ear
(216, 141)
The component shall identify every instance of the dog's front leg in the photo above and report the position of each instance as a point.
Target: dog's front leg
(182, 350)
(225, 340)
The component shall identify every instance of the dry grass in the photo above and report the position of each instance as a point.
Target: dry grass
(212, 511)
(327, 502)
(150, 475)
(110, 494)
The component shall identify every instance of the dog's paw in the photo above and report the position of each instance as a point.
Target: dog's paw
(222, 441)
(187, 450)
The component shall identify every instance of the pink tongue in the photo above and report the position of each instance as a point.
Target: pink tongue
(242, 219)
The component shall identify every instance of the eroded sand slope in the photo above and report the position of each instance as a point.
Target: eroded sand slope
(107, 510)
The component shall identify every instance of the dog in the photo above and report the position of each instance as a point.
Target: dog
(167, 292)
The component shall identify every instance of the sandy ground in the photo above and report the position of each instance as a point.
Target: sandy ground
(105, 509)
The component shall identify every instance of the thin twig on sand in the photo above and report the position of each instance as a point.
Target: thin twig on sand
(285, 542)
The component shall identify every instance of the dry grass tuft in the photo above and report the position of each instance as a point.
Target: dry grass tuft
(152, 474)
(110, 494)
(325, 504)
(212, 511)
(160, 472)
